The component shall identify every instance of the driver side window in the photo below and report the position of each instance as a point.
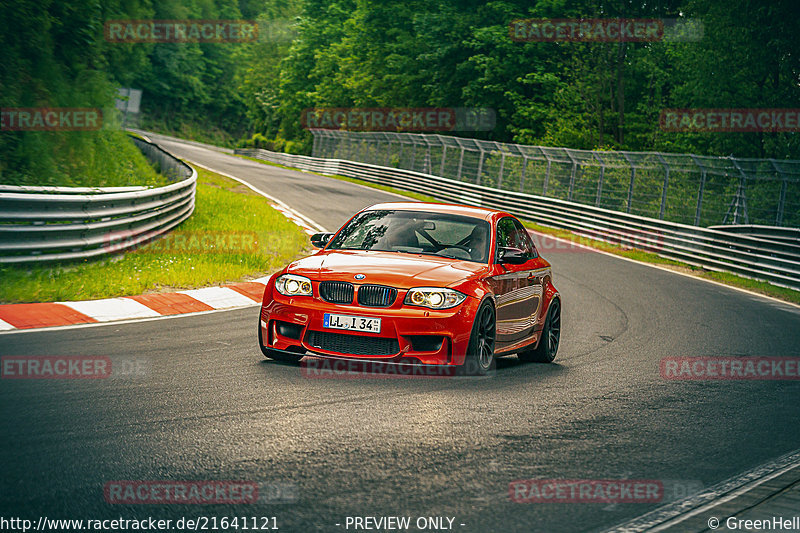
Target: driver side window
(505, 233)
(511, 234)
(525, 241)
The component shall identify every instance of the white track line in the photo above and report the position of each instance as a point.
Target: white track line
(723, 492)
(5, 326)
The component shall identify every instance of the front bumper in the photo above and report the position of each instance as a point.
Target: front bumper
(408, 334)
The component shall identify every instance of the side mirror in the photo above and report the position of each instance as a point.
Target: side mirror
(321, 239)
(512, 256)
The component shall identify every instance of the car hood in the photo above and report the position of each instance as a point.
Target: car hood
(393, 269)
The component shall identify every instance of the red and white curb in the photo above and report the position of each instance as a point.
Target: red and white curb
(44, 315)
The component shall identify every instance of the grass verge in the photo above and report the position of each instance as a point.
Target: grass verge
(727, 278)
(232, 235)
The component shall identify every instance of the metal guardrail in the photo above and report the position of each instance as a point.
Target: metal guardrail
(772, 233)
(713, 249)
(685, 188)
(64, 223)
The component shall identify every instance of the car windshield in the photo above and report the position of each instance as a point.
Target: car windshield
(453, 236)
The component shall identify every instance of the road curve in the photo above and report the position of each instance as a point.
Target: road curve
(210, 407)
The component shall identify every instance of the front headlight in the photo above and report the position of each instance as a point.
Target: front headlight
(292, 285)
(434, 297)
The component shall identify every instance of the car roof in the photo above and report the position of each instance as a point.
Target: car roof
(431, 207)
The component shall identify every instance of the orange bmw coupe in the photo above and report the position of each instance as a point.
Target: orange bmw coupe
(416, 283)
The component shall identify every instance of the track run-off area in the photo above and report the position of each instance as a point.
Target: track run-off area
(208, 406)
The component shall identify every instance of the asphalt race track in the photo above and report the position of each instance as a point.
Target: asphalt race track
(210, 407)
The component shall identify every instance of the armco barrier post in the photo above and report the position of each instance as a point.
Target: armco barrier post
(664, 188)
(460, 160)
(600, 179)
(480, 167)
(546, 175)
(500, 172)
(700, 190)
(630, 185)
(572, 173)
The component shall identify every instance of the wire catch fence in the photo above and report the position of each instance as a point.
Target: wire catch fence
(685, 188)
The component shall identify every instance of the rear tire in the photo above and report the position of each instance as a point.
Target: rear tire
(283, 357)
(480, 352)
(547, 349)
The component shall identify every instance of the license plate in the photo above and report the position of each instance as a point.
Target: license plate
(352, 323)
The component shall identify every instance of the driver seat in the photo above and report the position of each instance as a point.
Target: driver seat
(477, 243)
(403, 236)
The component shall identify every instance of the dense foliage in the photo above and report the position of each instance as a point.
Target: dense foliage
(403, 53)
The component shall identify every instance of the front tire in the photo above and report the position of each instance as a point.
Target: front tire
(480, 352)
(275, 354)
(547, 348)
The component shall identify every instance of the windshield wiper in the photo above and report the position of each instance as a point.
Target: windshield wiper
(435, 254)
